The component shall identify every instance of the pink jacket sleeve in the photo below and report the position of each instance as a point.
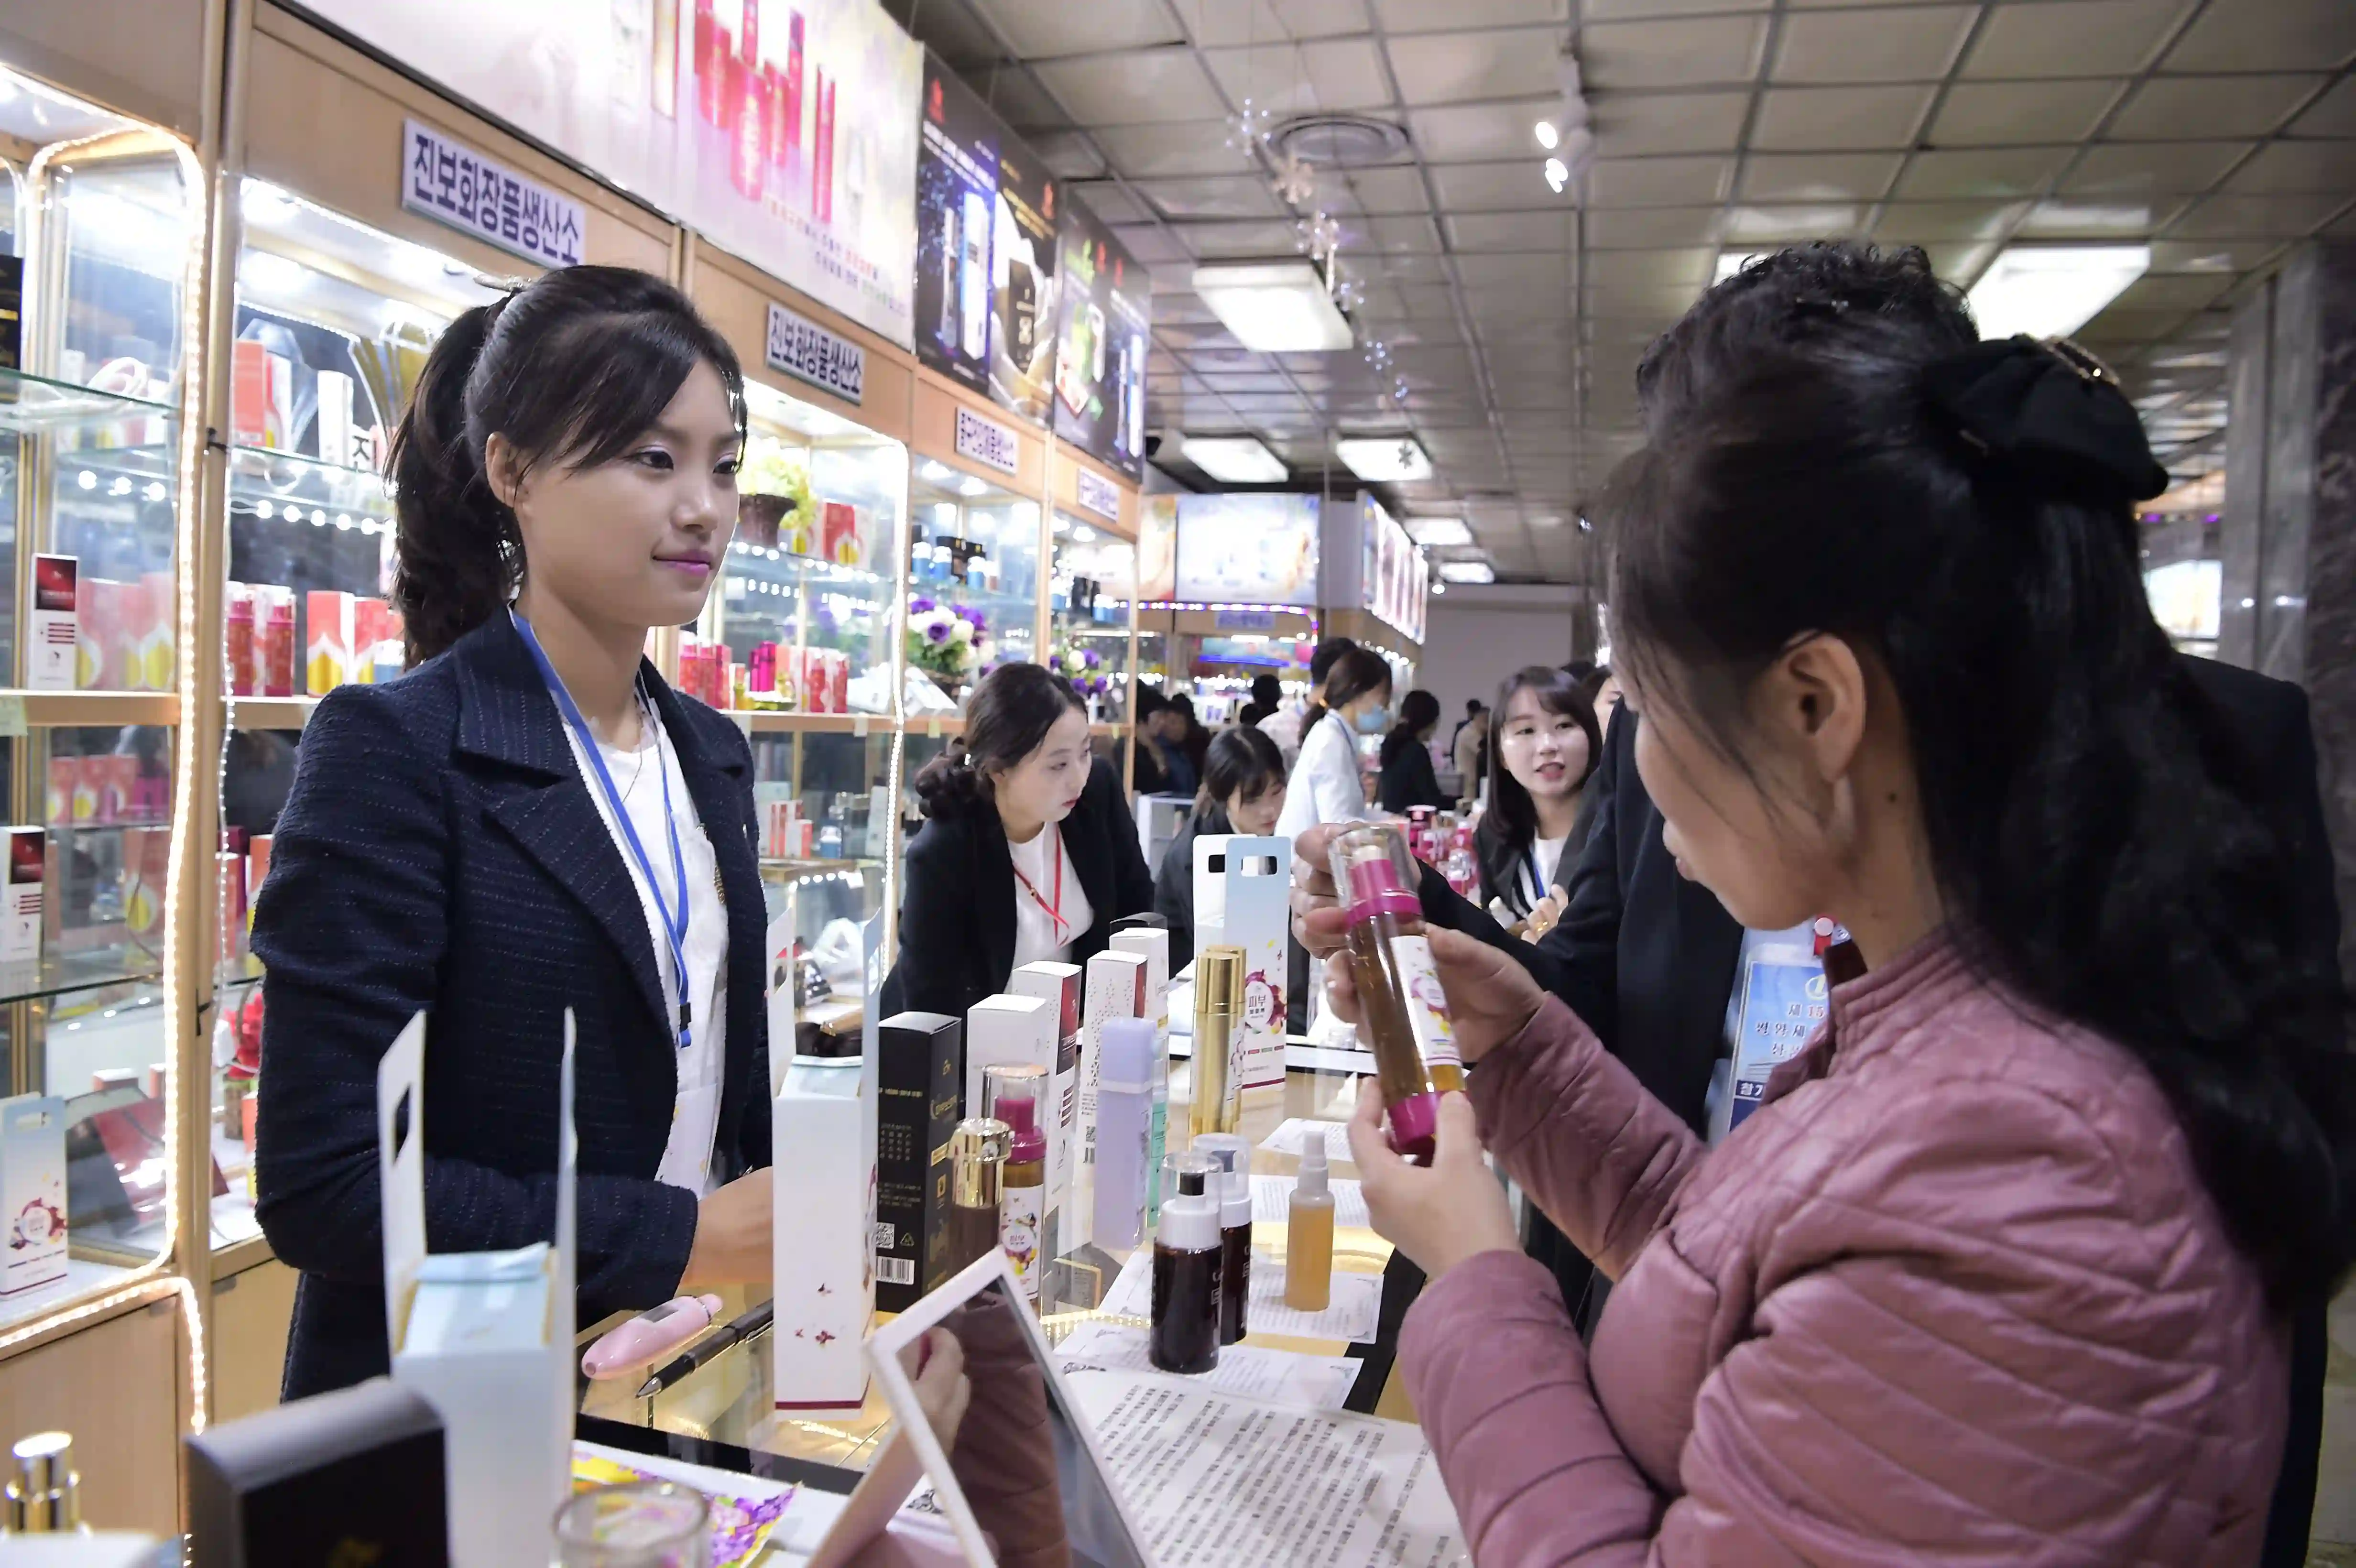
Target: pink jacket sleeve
(1586, 1141)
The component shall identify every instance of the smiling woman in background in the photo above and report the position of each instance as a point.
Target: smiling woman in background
(530, 820)
(1545, 748)
(1028, 851)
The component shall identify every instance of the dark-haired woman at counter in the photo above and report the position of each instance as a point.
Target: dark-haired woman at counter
(1028, 851)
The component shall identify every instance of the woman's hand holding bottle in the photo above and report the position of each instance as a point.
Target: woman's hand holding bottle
(1491, 998)
(1439, 1214)
(733, 1235)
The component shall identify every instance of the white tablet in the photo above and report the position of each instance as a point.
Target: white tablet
(1017, 1471)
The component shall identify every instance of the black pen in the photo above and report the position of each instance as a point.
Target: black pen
(736, 1332)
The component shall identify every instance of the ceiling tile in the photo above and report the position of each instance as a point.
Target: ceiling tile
(2151, 168)
(1491, 187)
(1547, 278)
(1110, 201)
(2280, 35)
(1986, 172)
(1154, 86)
(2334, 114)
(2073, 38)
(1340, 73)
(1155, 247)
(1193, 148)
(2013, 114)
(1393, 236)
(1926, 223)
(2179, 291)
(1913, 45)
(959, 36)
(1468, 131)
(1817, 177)
(2282, 167)
(1017, 98)
(1068, 155)
(2166, 107)
(1657, 182)
(1218, 22)
(1220, 195)
(1616, 56)
(1838, 119)
(1225, 241)
(1755, 226)
(2095, 219)
(2256, 217)
(1506, 231)
(1463, 67)
(1610, 270)
(1622, 228)
(1039, 29)
(1667, 123)
(2220, 256)
(1406, 268)
(1389, 191)
(1449, 16)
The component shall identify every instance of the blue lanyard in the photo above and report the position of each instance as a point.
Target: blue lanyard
(1537, 878)
(674, 920)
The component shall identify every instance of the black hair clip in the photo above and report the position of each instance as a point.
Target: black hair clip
(2051, 410)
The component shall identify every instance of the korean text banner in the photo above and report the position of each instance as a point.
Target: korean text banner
(1248, 549)
(956, 213)
(1101, 345)
(786, 133)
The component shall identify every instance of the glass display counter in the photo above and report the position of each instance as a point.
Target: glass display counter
(973, 584)
(100, 230)
(1091, 619)
(731, 1399)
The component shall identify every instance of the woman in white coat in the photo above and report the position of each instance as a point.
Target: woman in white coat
(1326, 785)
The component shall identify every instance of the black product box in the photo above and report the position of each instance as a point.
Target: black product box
(355, 1476)
(920, 1077)
(12, 312)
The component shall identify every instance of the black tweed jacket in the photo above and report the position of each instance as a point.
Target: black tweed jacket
(440, 851)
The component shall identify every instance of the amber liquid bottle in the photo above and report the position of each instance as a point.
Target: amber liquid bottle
(1186, 1256)
(1406, 1014)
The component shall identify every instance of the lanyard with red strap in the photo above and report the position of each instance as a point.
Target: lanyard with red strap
(1055, 910)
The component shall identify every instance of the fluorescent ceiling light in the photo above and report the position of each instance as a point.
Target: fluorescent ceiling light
(1733, 262)
(935, 472)
(269, 274)
(1384, 459)
(1467, 571)
(969, 485)
(2051, 290)
(1275, 307)
(262, 202)
(1440, 587)
(1233, 459)
(1439, 530)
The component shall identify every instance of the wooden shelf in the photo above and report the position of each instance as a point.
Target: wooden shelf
(75, 709)
(765, 721)
(271, 712)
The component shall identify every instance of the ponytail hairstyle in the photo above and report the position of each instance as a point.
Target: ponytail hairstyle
(1419, 710)
(1356, 672)
(1831, 453)
(1241, 761)
(1006, 720)
(570, 368)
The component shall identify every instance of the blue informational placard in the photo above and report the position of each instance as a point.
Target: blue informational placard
(1784, 1003)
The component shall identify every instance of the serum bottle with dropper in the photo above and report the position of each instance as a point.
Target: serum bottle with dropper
(1309, 1234)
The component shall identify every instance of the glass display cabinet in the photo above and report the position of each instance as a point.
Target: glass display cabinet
(973, 582)
(334, 322)
(100, 260)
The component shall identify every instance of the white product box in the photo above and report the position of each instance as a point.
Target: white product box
(824, 1233)
(778, 978)
(1116, 989)
(1240, 888)
(52, 639)
(334, 418)
(486, 1337)
(20, 898)
(32, 1192)
(1152, 942)
(1008, 1028)
(1059, 985)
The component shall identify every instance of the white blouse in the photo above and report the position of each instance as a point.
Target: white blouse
(1326, 785)
(1039, 936)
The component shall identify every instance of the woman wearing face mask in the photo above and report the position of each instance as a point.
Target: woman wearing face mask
(1028, 851)
(1326, 785)
(1999, 1268)
(1546, 747)
(1243, 792)
(530, 821)
(1407, 778)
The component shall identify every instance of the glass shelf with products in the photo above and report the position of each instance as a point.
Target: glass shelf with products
(973, 582)
(1089, 614)
(802, 622)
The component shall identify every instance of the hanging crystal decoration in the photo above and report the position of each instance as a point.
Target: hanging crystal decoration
(1295, 182)
(1249, 127)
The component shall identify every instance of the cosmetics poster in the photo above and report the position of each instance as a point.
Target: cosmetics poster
(1022, 277)
(783, 132)
(957, 215)
(1100, 345)
(1253, 549)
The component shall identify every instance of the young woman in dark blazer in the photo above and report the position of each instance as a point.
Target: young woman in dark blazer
(1028, 851)
(530, 820)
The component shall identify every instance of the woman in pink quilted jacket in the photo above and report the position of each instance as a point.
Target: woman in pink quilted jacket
(1996, 1274)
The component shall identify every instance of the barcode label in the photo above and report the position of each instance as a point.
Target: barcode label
(895, 1271)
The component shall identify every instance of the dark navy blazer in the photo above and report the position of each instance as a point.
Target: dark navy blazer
(440, 851)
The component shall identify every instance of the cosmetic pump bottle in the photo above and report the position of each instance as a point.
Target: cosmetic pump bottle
(976, 1187)
(1309, 1234)
(1399, 999)
(1125, 1049)
(1218, 1012)
(43, 1496)
(1232, 1153)
(1014, 1093)
(1185, 1334)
